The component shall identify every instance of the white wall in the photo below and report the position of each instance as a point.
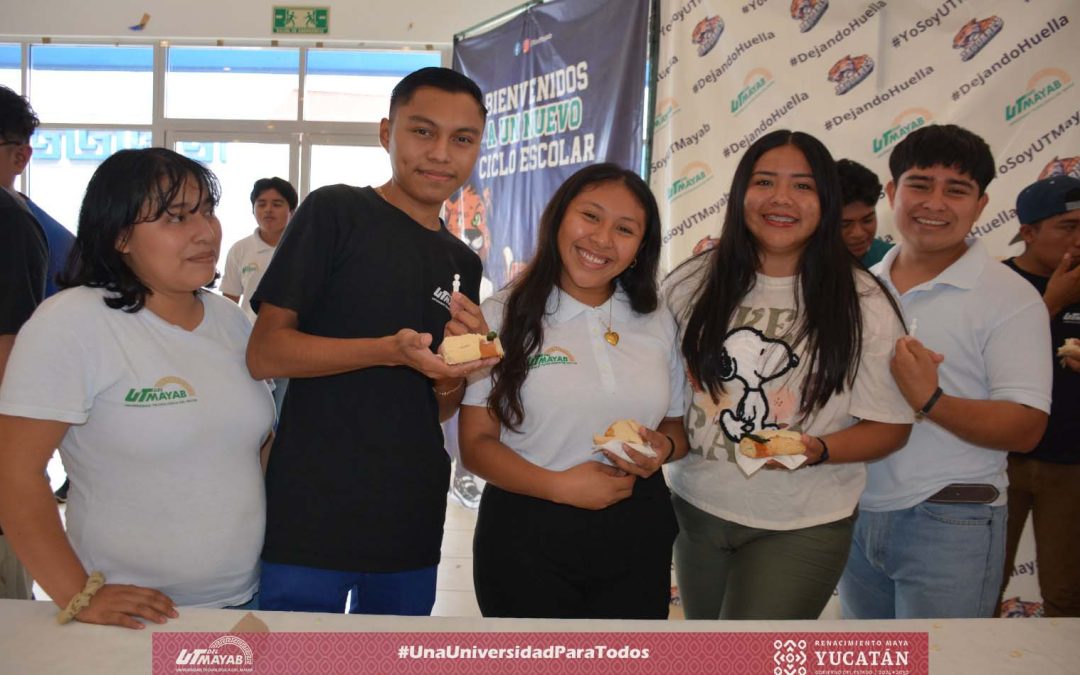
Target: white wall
(372, 22)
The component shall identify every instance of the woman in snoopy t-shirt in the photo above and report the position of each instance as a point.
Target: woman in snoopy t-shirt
(138, 376)
(781, 328)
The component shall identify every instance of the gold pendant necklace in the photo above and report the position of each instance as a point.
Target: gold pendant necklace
(611, 336)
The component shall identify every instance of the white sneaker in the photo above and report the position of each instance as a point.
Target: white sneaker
(464, 489)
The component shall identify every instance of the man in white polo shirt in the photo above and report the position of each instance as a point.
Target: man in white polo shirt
(930, 537)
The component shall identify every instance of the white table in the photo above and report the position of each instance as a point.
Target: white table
(32, 643)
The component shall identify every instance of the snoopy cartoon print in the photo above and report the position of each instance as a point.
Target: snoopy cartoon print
(752, 359)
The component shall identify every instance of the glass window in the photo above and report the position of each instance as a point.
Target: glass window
(92, 84)
(232, 83)
(350, 164)
(237, 165)
(10, 62)
(355, 86)
(64, 160)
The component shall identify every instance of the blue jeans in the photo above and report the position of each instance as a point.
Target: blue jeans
(927, 561)
(295, 588)
(251, 605)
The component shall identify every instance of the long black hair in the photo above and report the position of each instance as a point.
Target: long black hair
(522, 331)
(131, 187)
(830, 317)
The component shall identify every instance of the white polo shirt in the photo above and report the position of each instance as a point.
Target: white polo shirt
(994, 331)
(244, 268)
(578, 384)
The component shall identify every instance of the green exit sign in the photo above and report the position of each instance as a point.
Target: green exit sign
(301, 19)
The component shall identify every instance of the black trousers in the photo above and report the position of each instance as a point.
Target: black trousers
(537, 559)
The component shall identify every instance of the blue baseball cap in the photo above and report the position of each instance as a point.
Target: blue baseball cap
(1047, 198)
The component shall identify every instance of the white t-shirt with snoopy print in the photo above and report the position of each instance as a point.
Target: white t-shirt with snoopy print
(766, 377)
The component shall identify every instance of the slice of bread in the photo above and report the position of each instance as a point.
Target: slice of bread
(469, 347)
(622, 430)
(776, 442)
(1070, 348)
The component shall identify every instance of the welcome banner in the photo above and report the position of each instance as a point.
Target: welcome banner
(564, 84)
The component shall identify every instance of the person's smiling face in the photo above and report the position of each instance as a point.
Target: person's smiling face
(599, 238)
(935, 208)
(782, 208)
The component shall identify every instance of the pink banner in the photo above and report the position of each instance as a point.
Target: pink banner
(511, 653)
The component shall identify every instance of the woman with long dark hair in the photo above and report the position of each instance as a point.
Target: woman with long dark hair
(137, 375)
(780, 329)
(561, 533)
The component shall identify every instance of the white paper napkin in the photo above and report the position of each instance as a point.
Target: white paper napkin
(616, 448)
(750, 465)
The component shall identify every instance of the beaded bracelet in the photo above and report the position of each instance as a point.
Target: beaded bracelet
(81, 600)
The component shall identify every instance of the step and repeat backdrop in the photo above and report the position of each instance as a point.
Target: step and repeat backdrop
(860, 76)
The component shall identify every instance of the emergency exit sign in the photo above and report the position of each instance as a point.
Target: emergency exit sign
(301, 19)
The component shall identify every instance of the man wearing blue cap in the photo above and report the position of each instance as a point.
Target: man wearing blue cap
(1046, 482)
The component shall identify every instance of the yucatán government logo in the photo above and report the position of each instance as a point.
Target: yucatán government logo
(807, 12)
(903, 124)
(975, 34)
(790, 656)
(1061, 166)
(707, 33)
(849, 71)
(227, 654)
(552, 356)
(169, 390)
(1043, 86)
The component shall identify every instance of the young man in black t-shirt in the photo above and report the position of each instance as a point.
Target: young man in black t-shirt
(24, 261)
(1046, 482)
(360, 291)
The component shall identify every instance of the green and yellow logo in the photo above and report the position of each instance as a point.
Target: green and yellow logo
(169, 390)
(665, 110)
(1044, 85)
(903, 124)
(694, 175)
(755, 82)
(552, 356)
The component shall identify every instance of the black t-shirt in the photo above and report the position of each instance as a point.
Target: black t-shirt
(1061, 442)
(24, 264)
(358, 473)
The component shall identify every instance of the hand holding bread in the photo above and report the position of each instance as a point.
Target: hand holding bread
(634, 448)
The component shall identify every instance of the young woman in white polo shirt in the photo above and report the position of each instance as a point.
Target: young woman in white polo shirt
(138, 375)
(780, 328)
(561, 532)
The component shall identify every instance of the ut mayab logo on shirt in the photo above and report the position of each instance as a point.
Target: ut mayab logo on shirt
(169, 390)
(552, 356)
